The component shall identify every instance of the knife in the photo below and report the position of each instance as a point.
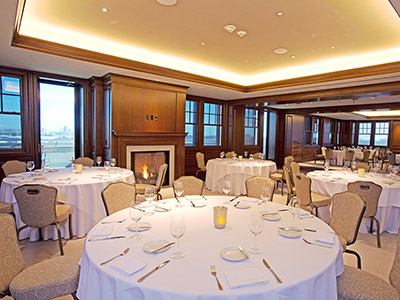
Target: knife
(272, 271)
(234, 198)
(152, 271)
(162, 208)
(192, 203)
(243, 252)
(237, 203)
(177, 200)
(106, 238)
(163, 247)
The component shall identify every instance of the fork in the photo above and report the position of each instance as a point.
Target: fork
(311, 243)
(112, 258)
(214, 273)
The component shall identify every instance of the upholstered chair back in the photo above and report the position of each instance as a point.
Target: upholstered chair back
(229, 154)
(370, 192)
(37, 204)
(288, 161)
(200, 161)
(391, 158)
(11, 259)
(258, 155)
(191, 185)
(366, 154)
(348, 155)
(288, 178)
(303, 190)
(13, 167)
(161, 176)
(394, 275)
(329, 154)
(361, 165)
(254, 186)
(117, 196)
(323, 151)
(295, 168)
(86, 161)
(347, 212)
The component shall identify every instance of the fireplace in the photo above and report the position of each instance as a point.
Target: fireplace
(145, 162)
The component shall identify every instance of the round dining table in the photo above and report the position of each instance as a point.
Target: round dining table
(80, 190)
(237, 171)
(388, 213)
(307, 271)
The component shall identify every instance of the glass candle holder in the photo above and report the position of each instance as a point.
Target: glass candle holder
(361, 172)
(240, 157)
(220, 216)
(79, 168)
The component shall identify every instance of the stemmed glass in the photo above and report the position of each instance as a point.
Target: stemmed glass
(30, 164)
(326, 166)
(222, 154)
(107, 165)
(178, 188)
(245, 154)
(149, 195)
(256, 226)
(264, 195)
(226, 188)
(177, 228)
(113, 162)
(98, 160)
(294, 210)
(136, 214)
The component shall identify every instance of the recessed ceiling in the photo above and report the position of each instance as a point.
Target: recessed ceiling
(320, 35)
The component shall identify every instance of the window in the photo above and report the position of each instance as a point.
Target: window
(364, 133)
(315, 134)
(332, 132)
(269, 134)
(212, 124)
(191, 122)
(10, 113)
(381, 133)
(338, 134)
(251, 127)
(307, 131)
(353, 133)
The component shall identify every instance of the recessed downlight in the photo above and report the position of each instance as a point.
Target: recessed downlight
(241, 33)
(332, 47)
(105, 10)
(292, 56)
(279, 13)
(167, 2)
(230, 28)
(280, 50)
(203, 43)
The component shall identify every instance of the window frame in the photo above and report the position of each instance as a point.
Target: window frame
(252, 122)
(387, 134)
(196, 124)
(218, 125)
(359, 132)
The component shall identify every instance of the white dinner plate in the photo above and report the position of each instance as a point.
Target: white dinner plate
(232, 254)
(162, 208)
(141, 226)
(289, 233)
(271, 216)
(154, 245)
(242, 205)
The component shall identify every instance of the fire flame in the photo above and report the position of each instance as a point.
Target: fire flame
(145, 173)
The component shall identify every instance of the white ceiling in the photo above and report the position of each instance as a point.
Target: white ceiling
(307, 29)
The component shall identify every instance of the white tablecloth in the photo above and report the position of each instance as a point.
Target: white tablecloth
(237, 172)
(81, 191)
(308, 271)
(358, 154)
(339, 154)
(388, 212)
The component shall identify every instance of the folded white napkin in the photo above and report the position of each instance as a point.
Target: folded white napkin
(102, 230)
(24, 181)
(245, 276)
(162, 206)
(248, 199)
(127, 265)
(193, 197)
(64, 179)
(325, 237)
(304, 213)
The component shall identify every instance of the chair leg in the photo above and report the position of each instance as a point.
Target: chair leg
(282, 188)
(357, 255)
(378, 231)
(71, 234)
(59, 238)
(371, 226)
(316, 212)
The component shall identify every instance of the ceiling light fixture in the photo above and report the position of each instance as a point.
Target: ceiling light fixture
(332, 47)
(381, 113)
(203, 44)
(279, 13)
(167, 2)
(241, 33)
(105, 10)
(292, 56)
(280, 50)
(230, 28)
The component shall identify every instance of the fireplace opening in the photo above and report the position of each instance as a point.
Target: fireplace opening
(145, 166)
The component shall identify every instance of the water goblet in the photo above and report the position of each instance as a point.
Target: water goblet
(30, 165)
(245, 154)
(178, 189)
(222, 154)
(136, 214)
(326, 166)
(113, 162)
(256, 226)
(107, 165)
(149, 195)
(294, 210)
(226, 187)
(265, 196)
(177, 228)
(98, 160)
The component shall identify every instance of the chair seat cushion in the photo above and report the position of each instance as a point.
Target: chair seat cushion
(141, 187)
(319, 200)
(357, 284)
(276, 176)
(62, 212)
(6, 208)
(49, 279)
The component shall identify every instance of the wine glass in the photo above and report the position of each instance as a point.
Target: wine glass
(107, 165)
(73, 168)
(326, 166)
(256, 226)
(98, 160)
(264, 195)
(178, 188)
(149, 195)
(30, 165)
(136, 214)
(245, 154)
(226, 188)
(222, 154)
(113, 162)
(177, 228)
(294, 210)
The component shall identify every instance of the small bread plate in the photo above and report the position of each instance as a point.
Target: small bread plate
(162, 208)
(154, 245)
(290, 233)
(141, 226)
(232, 254)
(242, 205)
(271, 216)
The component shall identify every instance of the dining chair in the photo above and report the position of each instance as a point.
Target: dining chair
(347, 211)
(141, 187)
(330, 155)
(290, 186)
(86, 161)
(201, 166)
(366, 155)
(323, 151)
(355, 284)
(348, 156)
(370, 192)
(295, 168)
(278, 176)
(191, 185)
(392, 159)
(52, 278)
(308, 200)
(7, 208)
(117, 196)
(255, 184)
(13, 167)
(318, 156)
(229, 154)
(382, 156)
(38, 209)
(258, 155)
(362, 165)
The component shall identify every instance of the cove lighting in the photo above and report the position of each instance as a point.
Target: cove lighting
(379, 113)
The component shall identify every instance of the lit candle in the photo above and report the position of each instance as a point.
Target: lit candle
(220, 216)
